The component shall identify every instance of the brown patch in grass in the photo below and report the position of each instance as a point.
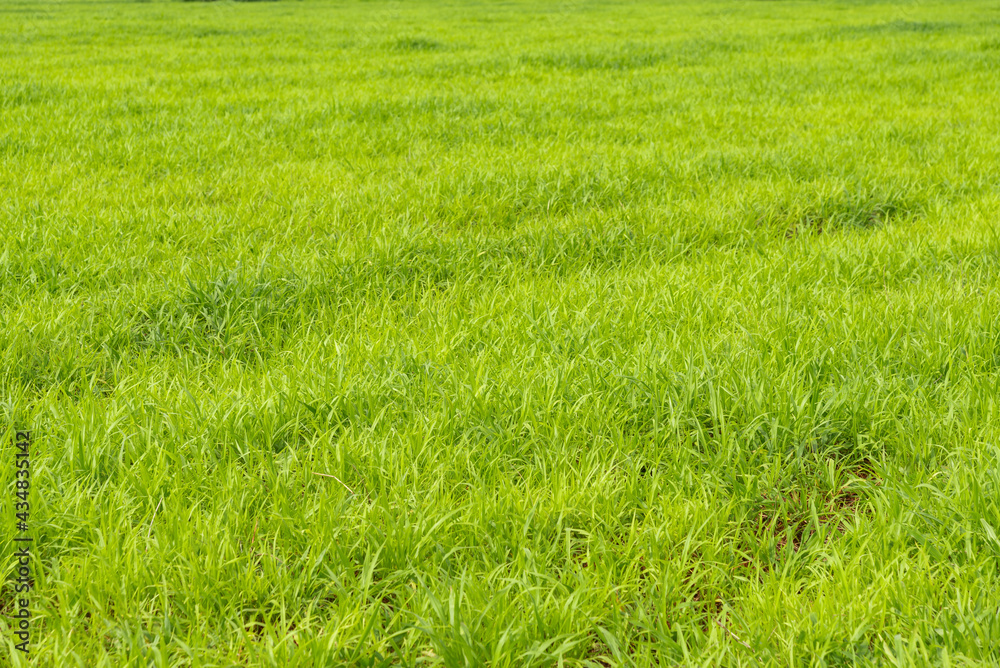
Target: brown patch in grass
(783, 520)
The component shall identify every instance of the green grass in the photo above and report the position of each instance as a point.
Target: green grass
(369, 333)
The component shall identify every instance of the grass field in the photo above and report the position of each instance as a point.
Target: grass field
(508, 334)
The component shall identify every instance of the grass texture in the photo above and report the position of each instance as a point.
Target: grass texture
(507, 334)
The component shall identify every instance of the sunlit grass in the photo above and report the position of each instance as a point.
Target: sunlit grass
(503, 334)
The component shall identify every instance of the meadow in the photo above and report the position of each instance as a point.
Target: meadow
(502, 333)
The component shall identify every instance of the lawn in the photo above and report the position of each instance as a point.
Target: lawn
(501, 333)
